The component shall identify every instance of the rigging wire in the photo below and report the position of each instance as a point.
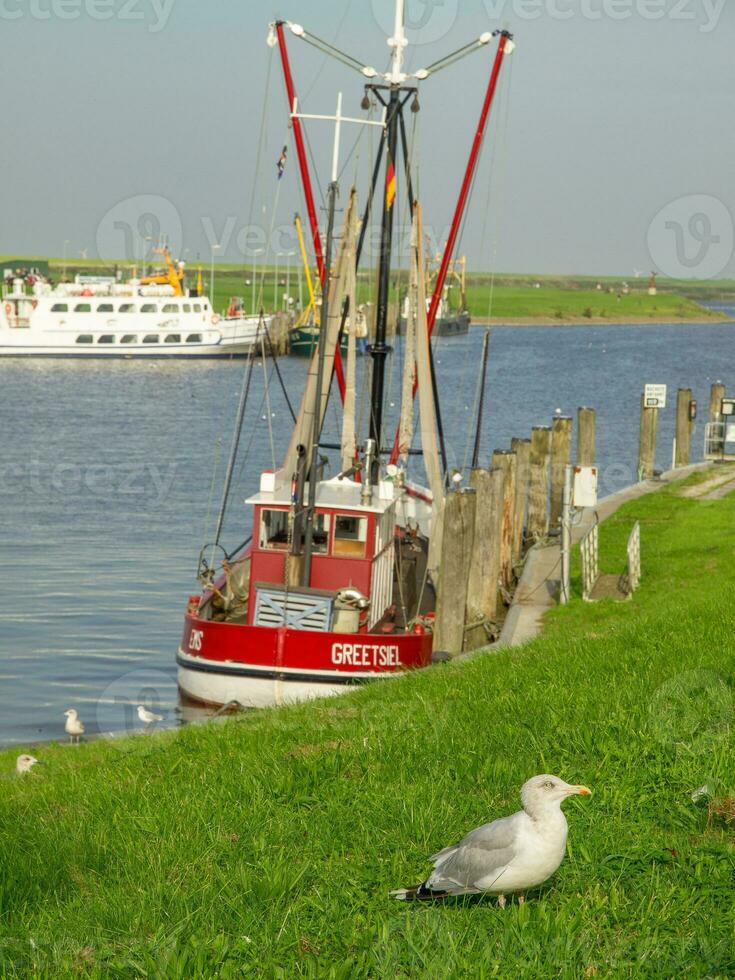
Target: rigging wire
(268, 404)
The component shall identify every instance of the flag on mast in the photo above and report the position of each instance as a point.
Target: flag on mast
(390, 185)
(281, 165)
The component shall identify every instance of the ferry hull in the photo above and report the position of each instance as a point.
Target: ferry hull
(265, 667)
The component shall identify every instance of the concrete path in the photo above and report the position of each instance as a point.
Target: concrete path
(539, 585)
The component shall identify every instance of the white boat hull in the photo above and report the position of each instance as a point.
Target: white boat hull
(215, 683)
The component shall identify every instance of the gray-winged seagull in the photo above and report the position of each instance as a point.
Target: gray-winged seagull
(148, 717)
(74, 726)
(508, 855)
(24, 764)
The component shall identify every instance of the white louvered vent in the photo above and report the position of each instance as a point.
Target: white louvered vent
(298, 610)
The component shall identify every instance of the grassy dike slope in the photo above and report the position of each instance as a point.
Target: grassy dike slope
(267, 846)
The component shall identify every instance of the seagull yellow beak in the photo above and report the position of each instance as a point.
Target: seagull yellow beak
(581, 791)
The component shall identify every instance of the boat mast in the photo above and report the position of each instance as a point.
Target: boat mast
(380, 349)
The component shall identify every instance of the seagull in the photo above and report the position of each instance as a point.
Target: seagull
(511, 854)
(24, 764)
(147, 717)
(74, 726)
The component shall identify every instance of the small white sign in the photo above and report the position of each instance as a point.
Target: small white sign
(730, 433)
(654, 396)
(585, 486)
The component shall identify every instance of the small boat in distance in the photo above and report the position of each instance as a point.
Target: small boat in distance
(451, 320)
(98, 316)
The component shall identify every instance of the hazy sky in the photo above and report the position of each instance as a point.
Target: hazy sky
(612, 147)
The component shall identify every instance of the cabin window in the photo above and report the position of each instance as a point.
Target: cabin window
(149, 308)
(129, 338)
(104, 308)
(60, 308)
(197, 307)
(350, 536)
(274, 531)
(150, 338)
(85, 338)
(170, 308)
(173, 338)
(127, 308)
(194, 338)
(106, 338)
(187, 307)
(83, 308)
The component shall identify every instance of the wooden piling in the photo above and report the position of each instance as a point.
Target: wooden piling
(507, 462)
(482, 588)
(522, 449)
(561, 457)
(647, 442)
(586, 437)
(683, 428)
(457, 543)
(538, 488)
(717, 393)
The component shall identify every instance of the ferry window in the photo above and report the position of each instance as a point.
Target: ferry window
(85, 338)
(350, 536)
(148, 308)
(194, 338)
(150, 338)
(187, 307)
(106, 338)
(83, 308)
(60, 308)
(173, 338)
(129, 338)
(170, 308)
(104, 308)
(197, 307)
(127, 308)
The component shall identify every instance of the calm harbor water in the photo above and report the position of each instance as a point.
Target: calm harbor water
(111, 474)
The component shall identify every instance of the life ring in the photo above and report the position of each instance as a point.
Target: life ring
(216, 318)
(8, 309)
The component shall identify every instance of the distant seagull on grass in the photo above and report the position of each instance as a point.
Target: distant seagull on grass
(148, 717)
(508, 855)
(74, 726)
(24, 764)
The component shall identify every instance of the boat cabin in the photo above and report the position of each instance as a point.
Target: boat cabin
(352, 558)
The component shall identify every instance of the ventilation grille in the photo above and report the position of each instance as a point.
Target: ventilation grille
(298, 610)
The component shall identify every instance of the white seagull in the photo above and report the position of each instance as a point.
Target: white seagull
(24, 764)
(148, 717)
(508, 855)
(74, 726)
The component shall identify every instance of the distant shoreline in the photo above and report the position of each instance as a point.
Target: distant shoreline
(526, 321)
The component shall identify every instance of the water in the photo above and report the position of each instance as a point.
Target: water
(106, 473)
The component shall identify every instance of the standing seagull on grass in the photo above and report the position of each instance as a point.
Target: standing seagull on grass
(508, 855)
(147, 717)
(74, 726)
(24, 764)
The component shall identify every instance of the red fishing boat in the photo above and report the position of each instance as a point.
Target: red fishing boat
(337, 582)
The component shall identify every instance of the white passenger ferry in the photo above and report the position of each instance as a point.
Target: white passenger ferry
(100, 317)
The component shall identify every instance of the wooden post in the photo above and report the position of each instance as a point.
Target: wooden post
(561, 457)
(522, 449)
(507, 462)
(538, 488)
(716, 394)
(482, 589)
(683, 427)
(586, 436)
(457, 542)
(647, 444)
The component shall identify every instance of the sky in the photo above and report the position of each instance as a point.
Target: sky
(610, 148)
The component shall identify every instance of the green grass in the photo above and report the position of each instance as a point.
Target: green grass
(266, 846)
(560, 298)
